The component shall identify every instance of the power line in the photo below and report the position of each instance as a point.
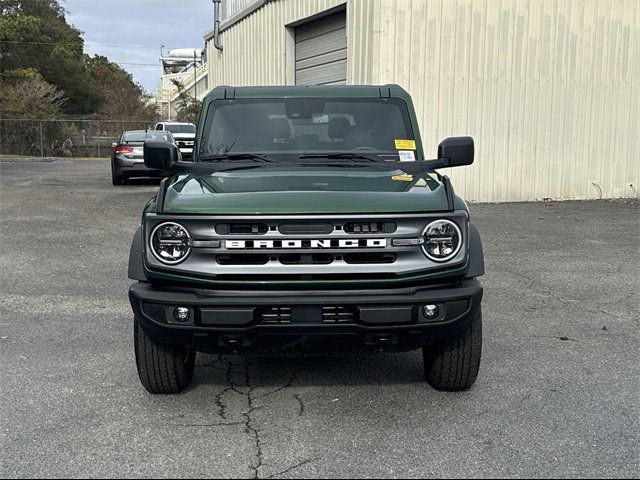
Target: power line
(75, 44)
(156, 65)
(139, 64)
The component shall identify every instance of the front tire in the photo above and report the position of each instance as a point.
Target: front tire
(163, 369)
(452, 365)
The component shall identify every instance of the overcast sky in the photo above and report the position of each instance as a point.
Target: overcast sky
(131, 31)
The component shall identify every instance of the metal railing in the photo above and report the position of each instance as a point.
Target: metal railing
(63, 137)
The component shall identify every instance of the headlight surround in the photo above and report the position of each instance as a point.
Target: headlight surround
(170, 243)
(442, 240)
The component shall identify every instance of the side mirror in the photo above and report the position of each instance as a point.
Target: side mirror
(160, 155)
(456, 151)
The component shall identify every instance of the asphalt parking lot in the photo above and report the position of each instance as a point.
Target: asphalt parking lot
(558, 393)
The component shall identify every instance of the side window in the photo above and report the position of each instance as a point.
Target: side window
(159, 126)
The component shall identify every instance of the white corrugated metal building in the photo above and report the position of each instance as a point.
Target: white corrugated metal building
(549, 89)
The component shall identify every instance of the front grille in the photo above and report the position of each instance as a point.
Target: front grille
(305, 277)
(300, 249)
(243, 259)
(305, 228)
(306, 258)
(338, 314)
(241, 228)
(370, 227)
(368, 258)
(275, 315)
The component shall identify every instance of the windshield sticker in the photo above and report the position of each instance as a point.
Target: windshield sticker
(402, 178)
(403, 144)
(407, 156)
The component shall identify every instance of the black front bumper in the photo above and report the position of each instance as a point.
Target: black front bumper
(255, 320)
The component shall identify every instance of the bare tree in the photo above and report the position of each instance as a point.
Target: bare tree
(188, 106)
(27, 95)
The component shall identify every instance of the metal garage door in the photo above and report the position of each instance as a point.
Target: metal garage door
(321, 51)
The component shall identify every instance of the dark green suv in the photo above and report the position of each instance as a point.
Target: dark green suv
(308, 219)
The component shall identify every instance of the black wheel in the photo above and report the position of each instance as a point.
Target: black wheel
(162, 368)
(452, 365)
(115, 179)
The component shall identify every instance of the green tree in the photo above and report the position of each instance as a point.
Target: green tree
(35, 34)
(120, 97)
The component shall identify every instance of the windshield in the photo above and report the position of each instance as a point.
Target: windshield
(187, 128)
(306, 125)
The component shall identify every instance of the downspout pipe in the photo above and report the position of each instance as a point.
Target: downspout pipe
(216, 25)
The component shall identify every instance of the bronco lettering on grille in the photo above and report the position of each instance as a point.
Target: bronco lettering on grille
(311, 243)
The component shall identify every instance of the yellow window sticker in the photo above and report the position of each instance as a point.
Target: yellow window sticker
(404, 144)
(402, 178)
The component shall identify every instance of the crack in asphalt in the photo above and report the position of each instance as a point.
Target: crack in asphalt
(279, 389)
(564, 339)
(291, 468)
(300, 404)
(249, 426)
(546, 290)
(248, 391)
(222, 408)
(220, 424)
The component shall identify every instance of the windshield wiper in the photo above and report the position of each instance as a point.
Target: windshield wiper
(237, 156)
(340, 155)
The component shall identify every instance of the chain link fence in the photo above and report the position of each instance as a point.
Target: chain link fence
(62, 137)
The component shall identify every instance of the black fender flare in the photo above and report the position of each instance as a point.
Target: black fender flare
(476, 254)
(136, 258)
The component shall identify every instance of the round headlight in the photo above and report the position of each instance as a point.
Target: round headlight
(170, 243)
(442, 240)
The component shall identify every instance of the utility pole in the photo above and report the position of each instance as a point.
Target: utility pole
(195, 77)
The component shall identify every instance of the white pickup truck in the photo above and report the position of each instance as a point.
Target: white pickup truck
(184, 135)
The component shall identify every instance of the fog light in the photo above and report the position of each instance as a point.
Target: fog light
(181, 314)
(430, 311)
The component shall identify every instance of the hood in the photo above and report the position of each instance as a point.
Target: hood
(305, 189)
(184, 136)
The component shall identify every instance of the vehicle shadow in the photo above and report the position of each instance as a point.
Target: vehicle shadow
(268, 371)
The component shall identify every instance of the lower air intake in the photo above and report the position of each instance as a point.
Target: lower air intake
(274, 315)
(338, 314)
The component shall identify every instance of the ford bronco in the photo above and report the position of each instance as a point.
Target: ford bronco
(309, 219)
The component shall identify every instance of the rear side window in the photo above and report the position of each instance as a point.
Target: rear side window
(156, 135)
(141, 137)
(129, 137)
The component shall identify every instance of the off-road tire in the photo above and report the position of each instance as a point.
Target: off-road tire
(452, 365)
(163, 369)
